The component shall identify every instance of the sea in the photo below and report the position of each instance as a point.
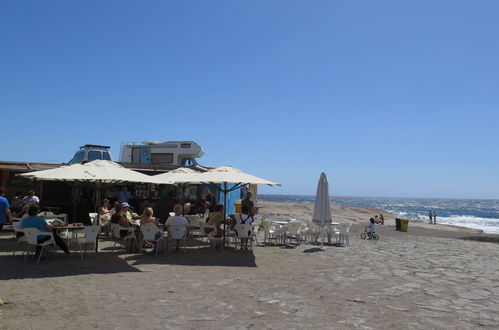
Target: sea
(482, 214)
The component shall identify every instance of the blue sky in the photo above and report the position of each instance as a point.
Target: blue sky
(389, 98)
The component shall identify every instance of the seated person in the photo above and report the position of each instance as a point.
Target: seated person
(104, 210)
(17, 203)
(31, 198)
(209, 201)
(32, 221)
(119, 219)
(105, 214)
(125, 212)
(216, 219)
(242, 219)
(148, 219)
(177, 220)
(134, 215)
(193, 208)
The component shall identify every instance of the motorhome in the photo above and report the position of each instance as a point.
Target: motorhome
(178, 153)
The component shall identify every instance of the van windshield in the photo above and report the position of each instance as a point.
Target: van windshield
(93, 155)
(106, 155)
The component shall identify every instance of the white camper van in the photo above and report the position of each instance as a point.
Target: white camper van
(90, 152)
(179, 153)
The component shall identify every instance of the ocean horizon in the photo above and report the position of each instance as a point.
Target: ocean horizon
(481, 214)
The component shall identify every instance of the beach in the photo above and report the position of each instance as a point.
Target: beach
(432, 277)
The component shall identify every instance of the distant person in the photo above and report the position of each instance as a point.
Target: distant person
(5, 215)
(379, 220)
(248, 202)
(430, 215)
(434, 218)
(124, 195)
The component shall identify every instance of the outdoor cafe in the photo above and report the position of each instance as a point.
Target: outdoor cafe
(213, 221)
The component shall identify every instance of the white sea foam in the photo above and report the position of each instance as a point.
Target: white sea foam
(488, 225)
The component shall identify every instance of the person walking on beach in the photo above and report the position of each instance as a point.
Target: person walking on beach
(430, 215)
(434, 218)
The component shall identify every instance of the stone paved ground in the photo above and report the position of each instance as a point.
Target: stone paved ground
(402, 281)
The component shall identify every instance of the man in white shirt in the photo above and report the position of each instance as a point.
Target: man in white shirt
(31, 198)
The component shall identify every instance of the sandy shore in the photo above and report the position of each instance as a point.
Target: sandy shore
(428, 278)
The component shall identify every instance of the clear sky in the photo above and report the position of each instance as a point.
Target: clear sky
(389, 98)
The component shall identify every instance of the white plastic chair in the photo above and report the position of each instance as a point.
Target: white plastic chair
(47, 214)
(178, 232)
(22, 239)
(244, 231)
(270, 231)
(90, 238)
(203, 234)
(295, 230)
(256, 230)
(149, 233)
(343, 230)
(93, 218)
(194, 224)
(116, 228)
(32, 240)
(317, 232)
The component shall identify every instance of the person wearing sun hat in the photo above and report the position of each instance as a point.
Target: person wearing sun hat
(125, 211)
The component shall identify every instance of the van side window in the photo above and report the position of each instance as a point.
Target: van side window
(78, 157)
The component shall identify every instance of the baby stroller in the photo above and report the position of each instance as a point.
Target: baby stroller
(367, 234)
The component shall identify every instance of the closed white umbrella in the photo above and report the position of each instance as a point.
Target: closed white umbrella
(322, 207)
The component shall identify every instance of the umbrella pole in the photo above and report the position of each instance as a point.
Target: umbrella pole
(98, 205)
(225, 210)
